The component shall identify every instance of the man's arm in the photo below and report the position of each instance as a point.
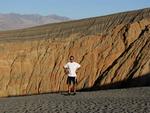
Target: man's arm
(65, 69)
(78, 68)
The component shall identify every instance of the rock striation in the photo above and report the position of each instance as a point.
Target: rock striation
(110, 49)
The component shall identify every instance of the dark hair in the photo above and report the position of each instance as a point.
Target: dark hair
(71, 57)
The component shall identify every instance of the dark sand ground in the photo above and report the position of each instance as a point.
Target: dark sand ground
(132, 100)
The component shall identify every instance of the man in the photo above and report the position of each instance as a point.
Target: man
(70, 69)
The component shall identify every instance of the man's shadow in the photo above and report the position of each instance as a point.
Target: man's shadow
(64, 93)
(67, 94)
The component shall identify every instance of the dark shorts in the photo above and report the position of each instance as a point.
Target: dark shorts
(71, 80)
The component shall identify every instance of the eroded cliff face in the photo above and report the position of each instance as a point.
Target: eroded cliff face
(117, 49)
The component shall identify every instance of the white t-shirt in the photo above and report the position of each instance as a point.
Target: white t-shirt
(72, 67)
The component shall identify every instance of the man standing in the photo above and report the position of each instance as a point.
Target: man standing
(70, 69)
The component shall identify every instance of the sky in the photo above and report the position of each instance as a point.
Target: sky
(75, 9)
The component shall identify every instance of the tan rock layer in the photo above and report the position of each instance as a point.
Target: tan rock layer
(36, 66)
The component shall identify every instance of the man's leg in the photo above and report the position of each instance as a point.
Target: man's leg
(74, 86)
(69, 85)
(69, 88)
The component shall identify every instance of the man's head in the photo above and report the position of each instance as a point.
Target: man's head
(71, 58)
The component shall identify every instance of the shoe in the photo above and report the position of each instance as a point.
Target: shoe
(74, 93)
